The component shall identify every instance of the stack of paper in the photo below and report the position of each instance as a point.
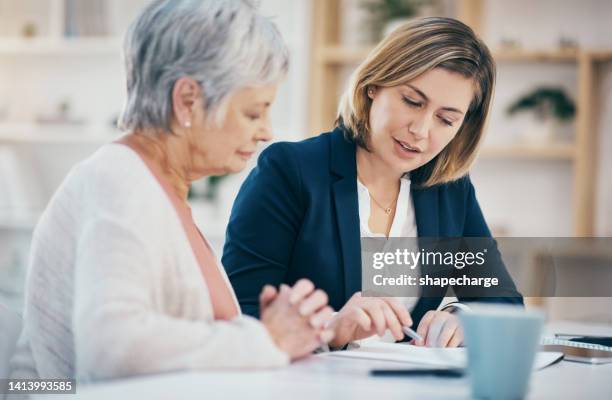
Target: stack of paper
(438, 357)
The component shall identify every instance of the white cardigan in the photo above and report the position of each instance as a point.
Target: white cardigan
(114, 289)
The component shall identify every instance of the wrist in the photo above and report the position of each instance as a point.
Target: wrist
(271, 331)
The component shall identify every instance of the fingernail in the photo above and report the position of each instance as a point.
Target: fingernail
(326, 336)
(303, 310)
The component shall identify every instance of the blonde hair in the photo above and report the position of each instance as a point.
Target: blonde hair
(408, 52)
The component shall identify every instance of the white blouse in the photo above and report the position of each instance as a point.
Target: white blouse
(404, 221)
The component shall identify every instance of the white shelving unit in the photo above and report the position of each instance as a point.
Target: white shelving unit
(19, 134)
(60, 46)
(38, 72)
(47, 67)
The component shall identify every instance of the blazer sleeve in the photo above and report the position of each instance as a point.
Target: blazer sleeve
(475, 226)
(264, 225)
(120, 331)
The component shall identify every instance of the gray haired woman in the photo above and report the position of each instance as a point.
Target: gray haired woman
(121, 280)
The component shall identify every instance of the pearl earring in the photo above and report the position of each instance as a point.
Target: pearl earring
(187, 124)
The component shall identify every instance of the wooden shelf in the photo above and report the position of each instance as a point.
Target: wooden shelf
(40, 134)
(563, 152)
(55, 139)
(343, 55)
(568, 55)
(601, 55)
(346, 55)
(60, 46)
(32, 132)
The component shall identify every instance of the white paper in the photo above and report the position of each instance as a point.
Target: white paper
(438, 357)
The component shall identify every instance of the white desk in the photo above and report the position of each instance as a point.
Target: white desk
(336, 378)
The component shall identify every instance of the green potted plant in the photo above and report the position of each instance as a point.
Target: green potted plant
(386, 15)
(205, 199)
(207, 189)
(212, 191)
(547, 107)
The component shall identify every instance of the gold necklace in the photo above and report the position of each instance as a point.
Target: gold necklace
(388, 209)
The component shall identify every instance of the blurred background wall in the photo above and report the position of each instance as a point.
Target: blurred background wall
(543, 171)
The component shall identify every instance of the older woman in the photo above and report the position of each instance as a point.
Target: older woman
(395, 166)
(121, 280)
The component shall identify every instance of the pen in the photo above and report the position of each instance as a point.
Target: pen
(411, 333)
(565, 336)
(449, 373)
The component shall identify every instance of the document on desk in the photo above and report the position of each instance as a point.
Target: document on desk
(438, 357)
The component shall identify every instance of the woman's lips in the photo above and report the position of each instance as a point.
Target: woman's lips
(245, 154)
(404, 150)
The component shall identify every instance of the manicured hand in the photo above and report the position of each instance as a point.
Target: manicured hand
(362, 317)
(296, 317)
(439, 329)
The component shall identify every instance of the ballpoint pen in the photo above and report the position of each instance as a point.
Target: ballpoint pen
(411, 333)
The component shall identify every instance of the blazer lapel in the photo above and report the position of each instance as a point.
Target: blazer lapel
(347, 216)
(427, 219)
(426, 211)
(344, 191)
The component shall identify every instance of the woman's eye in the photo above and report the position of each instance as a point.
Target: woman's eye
(253, 117)
(446, 122)
(412, 103)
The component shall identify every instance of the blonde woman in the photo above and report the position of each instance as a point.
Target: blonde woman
(395, 165)
(121, 280)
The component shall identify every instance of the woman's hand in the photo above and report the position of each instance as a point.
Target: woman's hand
(296, 317)
(362, 317)
(439, 329)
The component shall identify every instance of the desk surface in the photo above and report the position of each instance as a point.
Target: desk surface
(339, 378)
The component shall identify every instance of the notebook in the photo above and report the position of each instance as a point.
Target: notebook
(591, 353)
(430, 356)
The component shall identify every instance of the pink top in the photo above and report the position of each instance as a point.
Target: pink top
(224, 307)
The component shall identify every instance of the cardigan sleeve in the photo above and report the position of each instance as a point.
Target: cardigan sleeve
(264, 225)
(119, 331)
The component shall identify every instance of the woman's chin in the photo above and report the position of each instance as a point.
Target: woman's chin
(236, 166)
(403, 166)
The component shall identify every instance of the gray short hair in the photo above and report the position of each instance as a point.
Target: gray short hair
(225, 45)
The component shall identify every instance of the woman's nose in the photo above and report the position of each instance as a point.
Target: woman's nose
(419, 127)
(264, 133)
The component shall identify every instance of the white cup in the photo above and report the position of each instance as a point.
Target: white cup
(501, 342)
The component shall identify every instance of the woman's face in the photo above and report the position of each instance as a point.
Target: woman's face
(412, 123)
(218, 150)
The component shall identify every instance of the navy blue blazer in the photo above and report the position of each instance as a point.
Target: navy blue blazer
(297, 216)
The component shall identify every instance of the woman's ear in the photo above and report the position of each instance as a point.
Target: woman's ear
(185, 94)
(371, 92)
